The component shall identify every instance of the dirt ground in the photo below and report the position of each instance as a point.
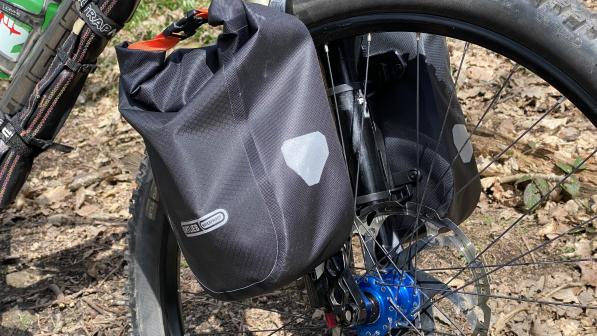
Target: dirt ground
(62, 243)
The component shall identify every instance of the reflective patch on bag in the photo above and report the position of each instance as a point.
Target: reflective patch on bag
(212, 221)
(306, 155)
(462, 142)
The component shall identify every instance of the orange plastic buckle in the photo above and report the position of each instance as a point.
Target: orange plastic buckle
(174, 33)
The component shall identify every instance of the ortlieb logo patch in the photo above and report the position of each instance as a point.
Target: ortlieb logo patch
(205, 224)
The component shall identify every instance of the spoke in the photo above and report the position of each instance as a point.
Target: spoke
(439, 310)
(327, 55)
(367, 62)
(254, 331)
(573, 171)
(384, 251)
(489, 108)
(542, 262)
(356, 185)
(394, 249)
(247, 306)
(519, 219)
(441, 133)
(438, 332)
(497, 157)
(371, 257)
(293, 321)
(505, 297)
(415, 229)
(399, 310)
(493, 103)
(418, 107)
(513, 260)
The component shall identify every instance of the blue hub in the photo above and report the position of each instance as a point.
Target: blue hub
(396, 291)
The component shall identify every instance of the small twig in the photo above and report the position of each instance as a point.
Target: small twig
(29, 293)
(85, 329)
(490, 133)
(564, 286)
(87, 179)
(95, 307)
(114, 270)
(530, 176)
(526, 244)
(119, 222)
(39, 323)
(501, 323)
(59, 295)
(65, 300)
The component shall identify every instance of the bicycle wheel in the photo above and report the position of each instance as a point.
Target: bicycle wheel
(521, 263)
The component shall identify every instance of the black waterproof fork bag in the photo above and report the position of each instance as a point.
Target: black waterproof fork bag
(244, 150)
(450, 183)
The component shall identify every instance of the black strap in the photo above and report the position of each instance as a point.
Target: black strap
(185, 27)
(53, 72)
(338, 89)
(96, 20)
(73, 65)
(278, 4)
(27, 145)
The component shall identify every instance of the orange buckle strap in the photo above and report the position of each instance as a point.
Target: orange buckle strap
(174, 33)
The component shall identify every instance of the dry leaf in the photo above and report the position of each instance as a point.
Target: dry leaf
(554, 123)
(534, 91)
(589, 273)
(88, 210)
(55, 195)
(488, 182)
(566, 295)
(583, 248)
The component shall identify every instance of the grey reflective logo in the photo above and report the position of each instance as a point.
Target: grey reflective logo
(205, 224)
(306, 155)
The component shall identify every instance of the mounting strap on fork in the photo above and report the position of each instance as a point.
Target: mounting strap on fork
(33, 129)
(96, 20)
(12, 136)
(73, 65)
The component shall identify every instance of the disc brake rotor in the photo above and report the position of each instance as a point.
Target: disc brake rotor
(440, 233)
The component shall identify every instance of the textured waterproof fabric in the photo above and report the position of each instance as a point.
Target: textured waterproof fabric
(244, 150)
(446, 159)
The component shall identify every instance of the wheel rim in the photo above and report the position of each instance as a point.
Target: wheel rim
(424, 24)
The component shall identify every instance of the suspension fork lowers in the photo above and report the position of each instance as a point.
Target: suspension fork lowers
(363, 141)
(335, 288)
